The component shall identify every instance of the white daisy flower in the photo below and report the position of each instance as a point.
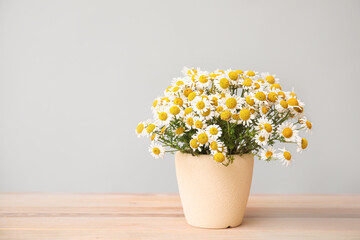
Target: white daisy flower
(162, 116)
(267, 154)
(261, 139)
(199, 123)
(156, 150)
(189, 120)
(202, 137)
(288, 132)
(214, 131)
(194, 144)
(232, 103)
(285, 157)
(260, 97)
(270, 79)
(215, 145)
(190, 71)
(178, 82)
(302, 143)
(265, 125)
(140, 129)
(246, 116)
(305, 124)
(281, 105)
(150, 129)
(222, 84)
(200, 104)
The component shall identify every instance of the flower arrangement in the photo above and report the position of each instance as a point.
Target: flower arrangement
(226, 113)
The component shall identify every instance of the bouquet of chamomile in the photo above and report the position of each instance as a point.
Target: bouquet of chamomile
(226, 113)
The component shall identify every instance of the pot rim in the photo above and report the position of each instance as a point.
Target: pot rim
(236, 155)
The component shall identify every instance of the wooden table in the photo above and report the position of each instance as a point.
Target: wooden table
(159, 216)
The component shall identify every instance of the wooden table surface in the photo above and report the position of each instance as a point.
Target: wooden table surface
(159, 216)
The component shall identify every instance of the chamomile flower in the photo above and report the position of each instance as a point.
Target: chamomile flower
(248, 84)
(156, 150)
(140, 129)
(178, 82)
(245, 116)
(294, 104)
(260, 97)
(199, 123)
(285, 157)
(189, 121)
(214, 131)
(215, 146)
(281, 106)
(201, 104)
(288, 131)
(250, 73)
(150, 129)
(267, 154)
(202, 137)
(270, 79)
(162, 116)
(222, 84)
(219, 157)
(302, 143)
(305, 124)
(265, 125)
(202, 80)
(262, 139)
(232, 103)
(194, 144)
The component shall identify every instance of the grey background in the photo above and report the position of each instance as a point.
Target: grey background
(77, 76)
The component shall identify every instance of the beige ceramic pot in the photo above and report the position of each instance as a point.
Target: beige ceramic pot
(212, 195)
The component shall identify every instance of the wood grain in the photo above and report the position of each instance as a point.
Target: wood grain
(160, 216)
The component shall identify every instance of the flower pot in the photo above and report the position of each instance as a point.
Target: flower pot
(212, 195)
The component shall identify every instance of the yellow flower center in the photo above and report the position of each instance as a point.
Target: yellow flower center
(264, 110)
(207, 113)
(261, 138)
(179, 130)
(233, 75)
(155, 103)
(239, 72)
(191, 96)
(213, 145)
(194, 143)
(247, 82)
(268, 127)
(203, 79)
(179, 83)
(244, 114)
(156, 151)
(257, 86)
(231, 103)
(175, 89)
(250, 73)
(275, 86)
(308, 124)
(150, 128)
(140, 128)
(287, 132)
(260, 96)
(304, 143)
(203, 138)
(214, 131)
(299, 109)
(293, 102)
(188, 111)
(293, 94)
(287, 155)
(174, 110)
(187, 92)
(272, 96)
(163, 116)
(219, 157)
(284, 104)
(165, 99)
(225, 115)
(250, 101)
(219, 109)
(190, 121)
(200, 105)
(261, 80)
(224, 83)
(199, 124)
(270, 79)
(178, 101)
(236, 116)
(268, 154)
